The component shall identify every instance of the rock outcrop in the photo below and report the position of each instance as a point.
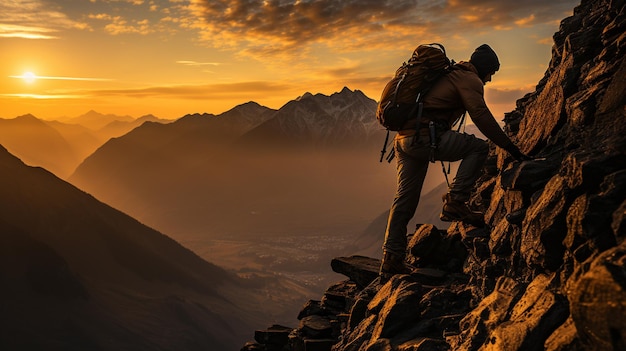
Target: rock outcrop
(548, 272)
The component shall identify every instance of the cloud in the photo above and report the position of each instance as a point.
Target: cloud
(120, 25)
(208, 92)
(273, 27)
(35, 77)
(503, 96)
(42, 96)
(26, 32)
(204, 92)
(194, 63)
(33, 19)
(504, 14)
(296, 21)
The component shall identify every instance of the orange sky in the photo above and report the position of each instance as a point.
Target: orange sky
(170, 58)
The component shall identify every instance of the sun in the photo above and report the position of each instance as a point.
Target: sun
(29, 77)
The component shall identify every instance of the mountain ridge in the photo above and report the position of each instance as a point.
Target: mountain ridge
(192, 148)
(88, 257)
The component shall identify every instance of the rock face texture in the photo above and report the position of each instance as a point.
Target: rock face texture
(548, 272)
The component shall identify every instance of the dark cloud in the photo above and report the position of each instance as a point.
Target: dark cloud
(291, 28)
(303, 21)
(508, 13)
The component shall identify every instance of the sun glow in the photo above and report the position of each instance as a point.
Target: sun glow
(29, 77)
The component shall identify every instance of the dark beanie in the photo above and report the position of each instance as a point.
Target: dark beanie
(485, 60)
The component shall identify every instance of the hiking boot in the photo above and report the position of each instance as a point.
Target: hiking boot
(455, 210)
(393, 264)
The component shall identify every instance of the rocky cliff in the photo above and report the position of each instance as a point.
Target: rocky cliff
(549, 269)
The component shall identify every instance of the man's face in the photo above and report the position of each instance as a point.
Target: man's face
(487, 78)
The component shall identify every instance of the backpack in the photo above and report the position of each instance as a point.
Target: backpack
(401, 97)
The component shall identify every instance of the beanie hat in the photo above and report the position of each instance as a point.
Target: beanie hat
(485, 60)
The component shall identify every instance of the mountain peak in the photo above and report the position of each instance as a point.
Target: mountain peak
(27, 116)
(28, 119)
(92, 112)
(304, 96)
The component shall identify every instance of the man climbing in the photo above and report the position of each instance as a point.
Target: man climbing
(455, 93)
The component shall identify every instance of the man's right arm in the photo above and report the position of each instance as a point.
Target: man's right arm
(471, 90)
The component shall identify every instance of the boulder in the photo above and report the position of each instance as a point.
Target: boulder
(360, 269)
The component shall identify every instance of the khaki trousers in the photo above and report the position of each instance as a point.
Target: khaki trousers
(412, 157)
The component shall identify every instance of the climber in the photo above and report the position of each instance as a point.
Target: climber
(455, 93)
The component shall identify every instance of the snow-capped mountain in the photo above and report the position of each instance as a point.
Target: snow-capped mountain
(342, 118)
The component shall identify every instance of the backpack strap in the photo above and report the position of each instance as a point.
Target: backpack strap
(384, 150)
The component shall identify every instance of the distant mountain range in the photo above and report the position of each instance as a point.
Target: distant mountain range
(41, 144)
(61, 145)
(341, 119)
(78, 274)
(311, 165)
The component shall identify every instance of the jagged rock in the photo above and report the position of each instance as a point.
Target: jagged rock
(502, 203)
(396, 308)
(564, 338)
(316, 327)
(533, 318)
(544, 227)
(512, 121)
(355, 338)
(276, 335)
(360, 308)
(598, 301)
(360, 269)
(431, 247)
(528, 175)
(619, 224)
(492, 310)
(318, 344)
(339, 297)
(312, 307)
(252, 346)
(445, 302)
(424, 344)
(380, 345)
(534, 127)
(598, 223)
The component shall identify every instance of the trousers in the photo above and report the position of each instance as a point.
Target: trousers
(412, 159)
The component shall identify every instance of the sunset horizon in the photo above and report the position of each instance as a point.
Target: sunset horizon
(172, 58)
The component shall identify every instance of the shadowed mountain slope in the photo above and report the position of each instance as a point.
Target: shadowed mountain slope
(78, 274)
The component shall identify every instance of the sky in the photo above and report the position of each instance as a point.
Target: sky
(62, 58)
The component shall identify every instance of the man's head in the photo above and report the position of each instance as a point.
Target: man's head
(486, 62)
